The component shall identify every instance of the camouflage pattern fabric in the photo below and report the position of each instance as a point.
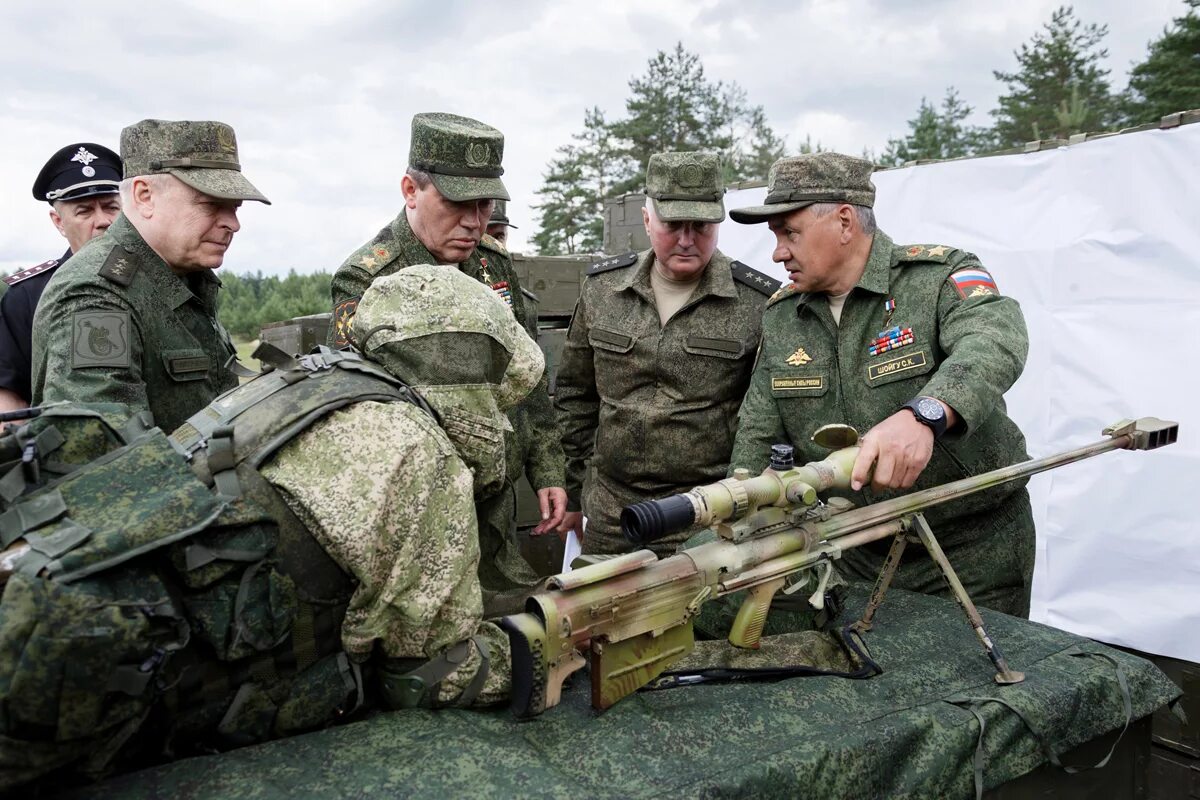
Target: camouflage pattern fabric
(649, 410)
(204, 155)
(396, 247)
(964, 350)
(686, 186)
(461, 155)
(799, 181)
(893, 736)
(116, 325)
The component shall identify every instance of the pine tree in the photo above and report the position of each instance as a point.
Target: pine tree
(1169, 79)
(1059, 88)
(937, 133)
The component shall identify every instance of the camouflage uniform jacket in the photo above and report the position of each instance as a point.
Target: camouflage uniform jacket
(396, 247)
(381, 488)
(116, 325)
(649, 409)
(966, 351)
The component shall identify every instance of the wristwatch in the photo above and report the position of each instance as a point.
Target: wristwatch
(929, 412)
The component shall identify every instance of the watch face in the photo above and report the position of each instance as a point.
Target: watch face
(930, 409)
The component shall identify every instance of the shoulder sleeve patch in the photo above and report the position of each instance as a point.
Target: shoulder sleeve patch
(973, 282)
(343, 317)
(754, 279)
(493, 244)
(17, 277)
(611, 263)
(100, 339)
(939, 253)
(530, 295)
(119, 267)
(783, 293)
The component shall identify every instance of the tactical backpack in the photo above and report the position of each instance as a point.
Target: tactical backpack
(162, 598)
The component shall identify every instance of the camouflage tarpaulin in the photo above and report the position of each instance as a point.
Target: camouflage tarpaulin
(895, 735)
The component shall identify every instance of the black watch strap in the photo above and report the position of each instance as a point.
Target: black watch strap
(929, 411)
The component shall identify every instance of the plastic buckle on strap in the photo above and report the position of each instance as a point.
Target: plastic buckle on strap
(405, 691)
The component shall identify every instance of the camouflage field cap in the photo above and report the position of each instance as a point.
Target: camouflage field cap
(461, 154)
(500, 214)
(202, 154)
(686, 187)
(800, 181)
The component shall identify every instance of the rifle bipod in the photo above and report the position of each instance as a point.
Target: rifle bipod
(924, 534)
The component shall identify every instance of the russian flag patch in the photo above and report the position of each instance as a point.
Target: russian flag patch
(974, 282)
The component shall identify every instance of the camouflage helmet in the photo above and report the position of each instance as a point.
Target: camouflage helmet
(461, 155)
(686, 187)
(204, 155)
(450, 337)
(800, 181)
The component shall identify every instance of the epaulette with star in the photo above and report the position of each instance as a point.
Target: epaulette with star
(119, 267)
(754, 279)
(939, 253)
(785, 291)
(374, 256)
(612, 262)
(493, 244)
(29, 272)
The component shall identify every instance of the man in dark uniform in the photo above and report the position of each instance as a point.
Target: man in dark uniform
(452, 181)
(80, 182)
(133, 318)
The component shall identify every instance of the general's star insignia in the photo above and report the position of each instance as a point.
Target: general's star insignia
(83, 156)
(799, 358)
(915, 250)
(368, 261)
(119, 268)
(940, 250)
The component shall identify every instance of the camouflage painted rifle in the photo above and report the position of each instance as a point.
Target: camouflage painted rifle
(630, 617)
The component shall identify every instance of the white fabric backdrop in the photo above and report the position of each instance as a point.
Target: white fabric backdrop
(1100, 242)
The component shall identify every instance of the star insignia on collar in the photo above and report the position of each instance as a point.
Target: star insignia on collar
(83, 156)
(799, 358)
(940, 250)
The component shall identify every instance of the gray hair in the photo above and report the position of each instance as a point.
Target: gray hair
(419, 176)
(158, 182)
(866, 216)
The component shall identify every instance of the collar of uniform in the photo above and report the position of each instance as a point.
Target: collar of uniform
(168, 286)
(716, 280)
(412, 251)
(877, 275)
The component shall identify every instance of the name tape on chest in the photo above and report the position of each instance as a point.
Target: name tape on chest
(895, 365)
(788, 383)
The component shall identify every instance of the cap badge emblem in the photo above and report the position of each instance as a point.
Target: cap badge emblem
(88, 172)
(225, 139)
(690, 175)
(799, 358)
(84, 157)
(478, 154)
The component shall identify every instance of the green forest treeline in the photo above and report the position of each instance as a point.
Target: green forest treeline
(247, 302)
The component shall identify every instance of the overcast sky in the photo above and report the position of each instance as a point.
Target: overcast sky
(321, 93)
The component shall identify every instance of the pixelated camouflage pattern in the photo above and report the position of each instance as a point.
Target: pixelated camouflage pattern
(967, 353)
(535, 430)
(798, 181)
(649, 410)
(461, 154)
(170, 316)
(894, 735)
(686, 187)
(395, 511)
(146, 145)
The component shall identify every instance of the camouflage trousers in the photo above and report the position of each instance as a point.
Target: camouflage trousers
(992, 552)
(504, 575)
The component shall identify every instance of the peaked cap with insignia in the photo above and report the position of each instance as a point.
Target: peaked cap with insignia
(800, 181)
(461, 155)
(500, 214)
(204, 155)
(79, 170)
(686, 187)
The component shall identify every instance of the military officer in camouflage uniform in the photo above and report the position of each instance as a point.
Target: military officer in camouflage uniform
(133, 318)
(658, 357)
(498, 223)
(80, 182)
(452, 180)
(913, 344)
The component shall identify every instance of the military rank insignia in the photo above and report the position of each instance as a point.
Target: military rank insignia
(893, 338)
(504, 292)
(343, 317)
(974, 282)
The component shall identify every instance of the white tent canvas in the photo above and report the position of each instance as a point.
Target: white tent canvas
(1100, 243)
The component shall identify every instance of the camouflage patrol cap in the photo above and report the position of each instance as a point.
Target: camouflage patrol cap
(461, 154)
(686, 187)
(500, 214)
(202, 154)
(800, 181)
